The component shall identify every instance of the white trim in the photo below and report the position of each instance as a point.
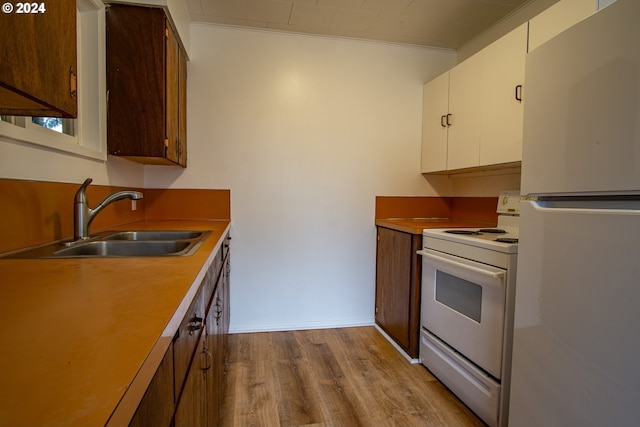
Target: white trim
(396, 346)
(297, 326)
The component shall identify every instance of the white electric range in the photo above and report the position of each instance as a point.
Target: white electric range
(468, 289)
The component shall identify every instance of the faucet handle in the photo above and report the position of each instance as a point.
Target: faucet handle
(81, 193)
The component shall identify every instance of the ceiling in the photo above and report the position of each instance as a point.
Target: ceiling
(437, 23)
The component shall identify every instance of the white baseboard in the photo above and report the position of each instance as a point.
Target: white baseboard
(397, 347)
(298, 326)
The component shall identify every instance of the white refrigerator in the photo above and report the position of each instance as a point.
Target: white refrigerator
(576, 354)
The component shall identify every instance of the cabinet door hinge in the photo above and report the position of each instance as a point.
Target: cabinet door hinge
(73, 83)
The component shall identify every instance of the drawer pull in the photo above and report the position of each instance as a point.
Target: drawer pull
(208, 360)
(195, 324)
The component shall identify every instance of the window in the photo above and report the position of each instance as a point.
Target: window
(56, 124)
(85, 136)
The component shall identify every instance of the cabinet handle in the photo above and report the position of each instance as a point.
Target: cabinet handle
(448, 117)
(195, 324)
(442, 121)
(208, 359)
(219, 310)
(519, 93)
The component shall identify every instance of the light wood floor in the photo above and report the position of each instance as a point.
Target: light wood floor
(332, 377)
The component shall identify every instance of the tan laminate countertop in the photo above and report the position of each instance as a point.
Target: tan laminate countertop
(416, 225)
(75, 332)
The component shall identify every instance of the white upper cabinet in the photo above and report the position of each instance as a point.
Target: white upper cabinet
(435, 110)
(558, 18)
(480, 114)
(501, 98)
(465, 107)
(473, 114)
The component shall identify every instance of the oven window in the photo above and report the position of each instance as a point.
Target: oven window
(460, 295)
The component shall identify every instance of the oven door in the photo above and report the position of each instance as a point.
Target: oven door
(463, 304)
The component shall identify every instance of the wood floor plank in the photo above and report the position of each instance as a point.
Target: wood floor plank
(296, 402)
(379, 381)
(253, 386)
(336, 394)
(346, 377)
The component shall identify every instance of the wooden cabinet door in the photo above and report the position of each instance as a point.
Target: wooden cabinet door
(214, 372)
(156, 408)
(135, 81)
(172, 124)
(502, 109)
(146, 82)
(185, 343)
(38, 57)
(226, 291)
(435, 108)
(191, 406)
(393, 284)
(182, 109)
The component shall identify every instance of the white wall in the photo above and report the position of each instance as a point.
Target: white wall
(305, 131)
(20, 160)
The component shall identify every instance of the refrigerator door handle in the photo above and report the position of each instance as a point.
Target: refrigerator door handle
(587, 205)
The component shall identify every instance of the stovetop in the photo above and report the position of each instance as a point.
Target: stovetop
(502, 238)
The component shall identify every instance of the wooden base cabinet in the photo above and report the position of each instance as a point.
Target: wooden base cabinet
(156, 408)
(187, 388)
(146, 84)
(398, 271)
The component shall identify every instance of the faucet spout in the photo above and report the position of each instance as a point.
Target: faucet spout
(84, 215)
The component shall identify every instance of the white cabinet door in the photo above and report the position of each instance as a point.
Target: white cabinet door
(558, 18)
(465, 107)
(483, 118)
(434, 128)
(501, 106)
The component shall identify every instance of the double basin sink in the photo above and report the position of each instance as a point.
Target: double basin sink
(139, 243)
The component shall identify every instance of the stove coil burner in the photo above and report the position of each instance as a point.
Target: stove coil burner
(507, 240)
(467, 232)
(492, 231)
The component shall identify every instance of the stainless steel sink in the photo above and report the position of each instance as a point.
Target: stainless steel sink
(154, 235)
(107, 248)
(134, 243)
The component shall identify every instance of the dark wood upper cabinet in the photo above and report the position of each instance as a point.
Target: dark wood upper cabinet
(146, 86)
(38, 57)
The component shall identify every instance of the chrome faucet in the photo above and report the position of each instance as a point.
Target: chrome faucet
(83, 214)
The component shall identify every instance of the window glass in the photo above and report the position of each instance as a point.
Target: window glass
(56, 124)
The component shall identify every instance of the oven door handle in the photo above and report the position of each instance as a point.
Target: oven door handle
(499, 275)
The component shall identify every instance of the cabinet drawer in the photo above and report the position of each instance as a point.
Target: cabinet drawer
(186, 339)
(211, 279)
